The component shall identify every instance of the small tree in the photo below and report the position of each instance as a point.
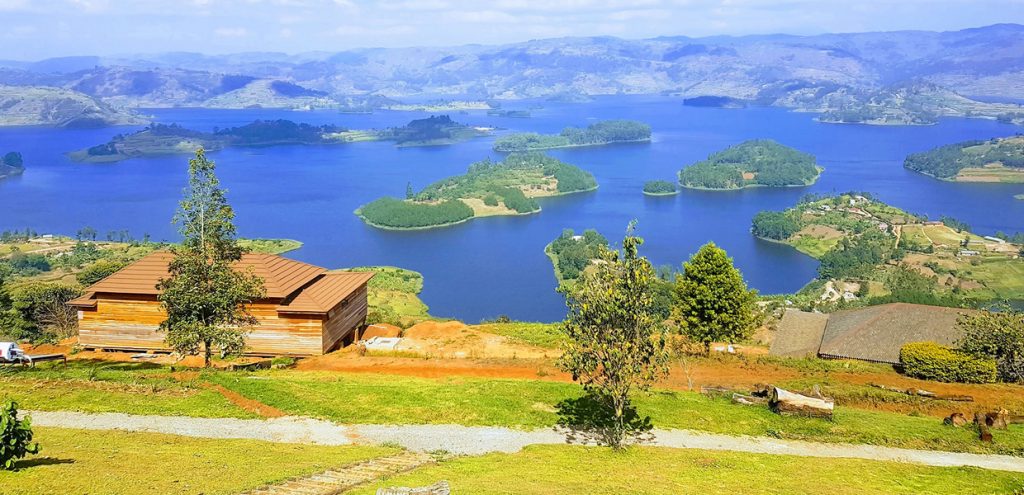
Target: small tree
(15, 436)
(205, 298)
(614, 348)
(409, 193)
(712, 301)
(996, 335)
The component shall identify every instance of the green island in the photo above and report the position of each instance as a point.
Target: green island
(660, 188)
(486, 189)
(11, 164)
(172, 139)
(439, 106)
(755, 163)
(872, 253)
(571, 254)
(596, 134)
(995, 160)
(513, 114)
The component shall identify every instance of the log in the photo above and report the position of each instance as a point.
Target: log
(996, 420)
(792, 404)
(984, 433)
(749, 400)
(956, 419)
(924, 393)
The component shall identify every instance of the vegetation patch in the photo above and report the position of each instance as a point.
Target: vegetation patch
(571, 253)
(599, 133)
(660, 188)
(931, 361)
(394, 296)
(995, 160)
(560, 469)
(760, 162)
(116, 462)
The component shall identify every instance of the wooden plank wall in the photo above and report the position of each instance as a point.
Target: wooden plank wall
(132, 322)
(344, 319)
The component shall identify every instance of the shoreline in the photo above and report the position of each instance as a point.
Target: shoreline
(955, 181)
(821, 170)
(660, 195)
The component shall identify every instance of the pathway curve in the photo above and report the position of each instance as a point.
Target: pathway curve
(475, 440)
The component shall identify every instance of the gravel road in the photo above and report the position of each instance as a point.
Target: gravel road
(475, 440)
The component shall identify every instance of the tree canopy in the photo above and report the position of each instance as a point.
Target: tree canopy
(713, 303)
(757, 162)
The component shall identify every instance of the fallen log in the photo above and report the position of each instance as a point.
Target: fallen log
(792, 404)
(924, 393)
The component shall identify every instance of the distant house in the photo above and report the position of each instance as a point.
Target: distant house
(307, 310)
(874, 333)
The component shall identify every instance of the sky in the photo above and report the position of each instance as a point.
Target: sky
(37, 29)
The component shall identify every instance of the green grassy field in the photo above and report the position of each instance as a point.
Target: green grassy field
(554, 470)
(366, 398)
(546, 335)
(112, 462)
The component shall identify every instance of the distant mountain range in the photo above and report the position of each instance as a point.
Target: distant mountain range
(845, 74)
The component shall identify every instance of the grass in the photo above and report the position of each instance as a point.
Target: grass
(396, 291)
(365, 398)
(563, 469)
(92, 386)
(554, 470)
(270, 246)
(114, 462)
(546, 335)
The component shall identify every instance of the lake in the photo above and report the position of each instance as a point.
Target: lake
(496, 266)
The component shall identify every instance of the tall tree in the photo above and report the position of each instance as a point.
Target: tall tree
(997, 335)
(614, 347)
(205, 297)
(712, 301)
(409, 193)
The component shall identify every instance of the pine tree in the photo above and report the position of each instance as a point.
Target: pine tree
(205, 298)
(713, 303)
(409, 193)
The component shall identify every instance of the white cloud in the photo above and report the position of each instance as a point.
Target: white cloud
(231, 32)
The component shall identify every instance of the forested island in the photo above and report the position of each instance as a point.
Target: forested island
(995, 160)
(168, 139)
(571, 254)
(486, 189)
(11, 164)
(660, 188)
(599, 133)
(873, 252)
(760, 162)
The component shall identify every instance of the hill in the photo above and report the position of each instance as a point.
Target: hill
(910, 103)
(995, 160)
(486, 189)
(11, 164)
(599, 133)
(58, 107)
(871, 252)
(761, 162)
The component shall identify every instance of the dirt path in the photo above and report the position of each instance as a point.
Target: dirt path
(477, 440)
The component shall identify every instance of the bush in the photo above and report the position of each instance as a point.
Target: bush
(931, 361)
(15, 436)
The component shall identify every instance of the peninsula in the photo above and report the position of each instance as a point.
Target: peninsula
(488, 188)
(596, 134)
(754, 163)
(995, 160)
(164, 139)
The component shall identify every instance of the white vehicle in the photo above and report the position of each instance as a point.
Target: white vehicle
(11, 353)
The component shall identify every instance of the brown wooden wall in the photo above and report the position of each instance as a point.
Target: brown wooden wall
(132, 322)
(344, 319)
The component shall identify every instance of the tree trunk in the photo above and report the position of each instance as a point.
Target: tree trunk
(793, 404)
(207, 353)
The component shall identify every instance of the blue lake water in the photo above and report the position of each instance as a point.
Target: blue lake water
(494, 266)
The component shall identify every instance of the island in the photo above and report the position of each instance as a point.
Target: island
(715, 102)
(488, 188)
(871, 252)
(755, 163)
(11, 164)
(1019, 196)
(439, 106)
(596, 134)
(169, 139)
(660, 188)
(571, 254)
(995, 160)
(513, 114)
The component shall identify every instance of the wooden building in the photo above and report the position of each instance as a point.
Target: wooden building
(307, 310)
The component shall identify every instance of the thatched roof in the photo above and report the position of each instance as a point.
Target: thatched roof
(799, 334)
(877, 333)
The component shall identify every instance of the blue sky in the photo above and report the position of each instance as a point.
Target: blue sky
(35, 29)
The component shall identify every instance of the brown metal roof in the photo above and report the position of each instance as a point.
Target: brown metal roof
(799, 334)
(281, 276)
(326, 293)
(87, 300)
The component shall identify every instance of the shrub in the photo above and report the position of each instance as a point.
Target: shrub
(931, 361)
(15, 436)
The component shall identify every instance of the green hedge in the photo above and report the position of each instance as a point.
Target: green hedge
(931, 361)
